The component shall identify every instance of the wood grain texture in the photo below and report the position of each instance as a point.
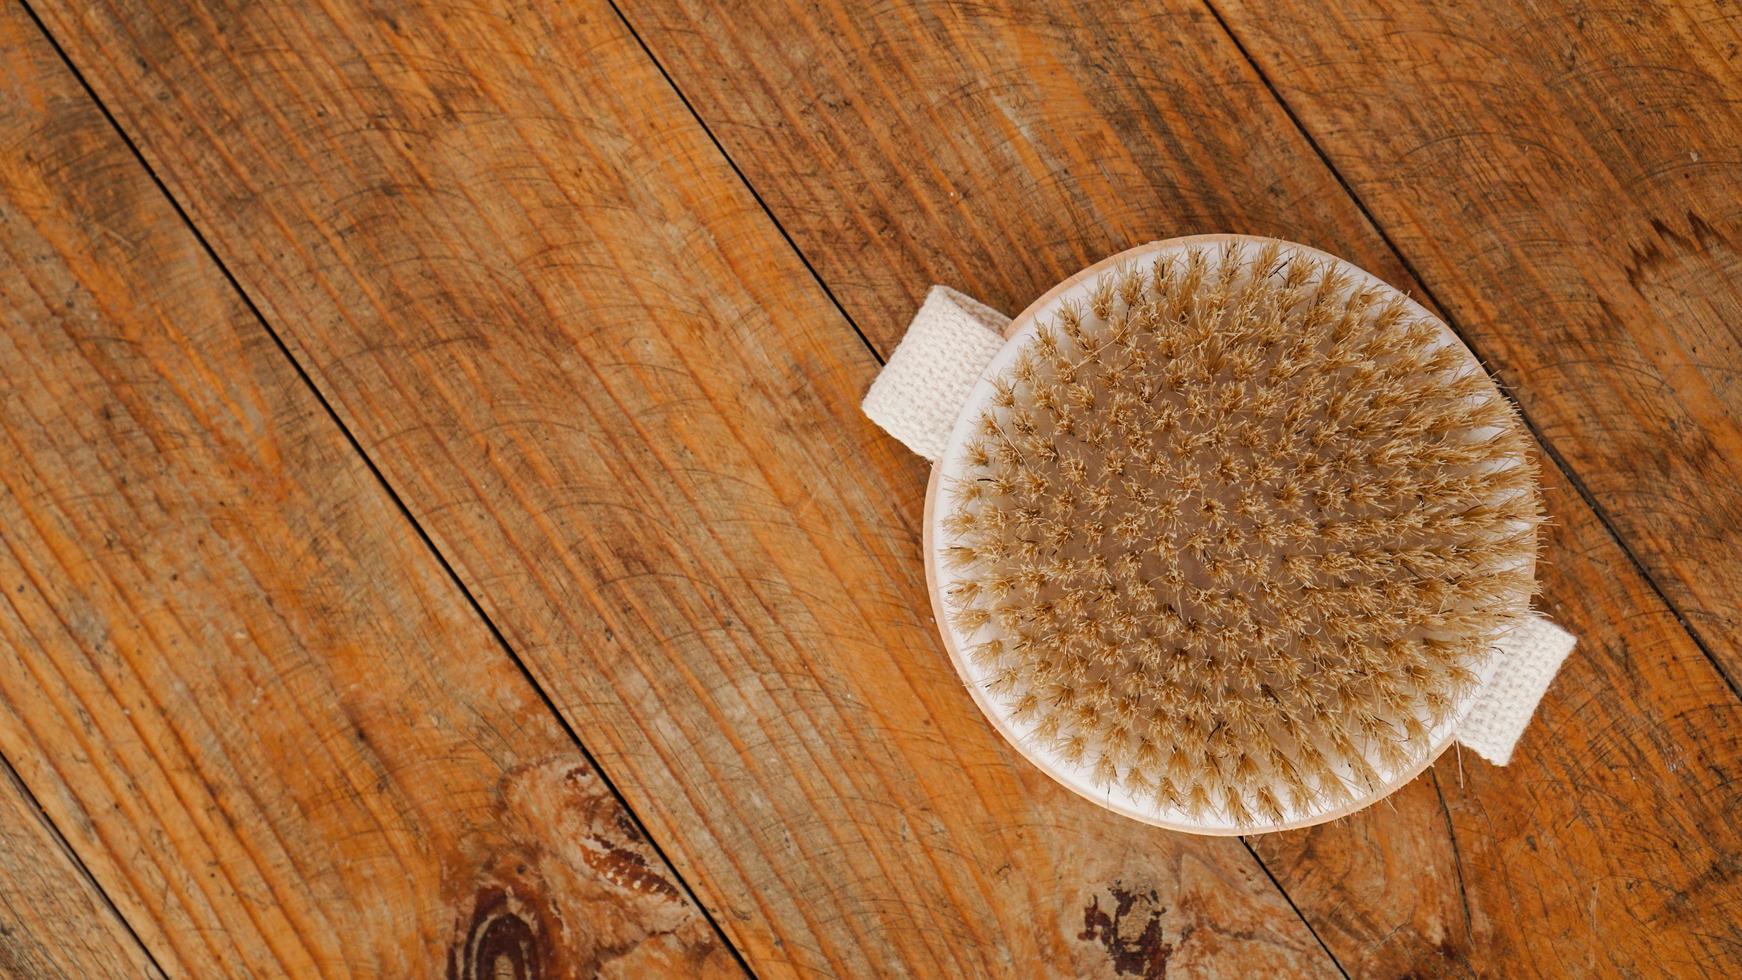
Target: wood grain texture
(1003, 146)
(54, 922)
(235, 677)
(570, 339)
(989, 146)
(1564, 177)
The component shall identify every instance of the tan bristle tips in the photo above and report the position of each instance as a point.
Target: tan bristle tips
(1236, 536)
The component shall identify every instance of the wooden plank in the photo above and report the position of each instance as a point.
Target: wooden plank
(235, 677)
(1565, 180)
(997, 147)
(565, 331)
(54, 921)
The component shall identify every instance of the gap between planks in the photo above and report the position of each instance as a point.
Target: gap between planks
(9, 776)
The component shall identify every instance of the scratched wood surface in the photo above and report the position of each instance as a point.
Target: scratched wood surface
(54, 921)
(608, 387)
(548, 310)
(1567, 180)
(260, 713)
(997, 148)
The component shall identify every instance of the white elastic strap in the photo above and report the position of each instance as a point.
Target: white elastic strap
(918, 393)
(1530, 654)
(952, 338)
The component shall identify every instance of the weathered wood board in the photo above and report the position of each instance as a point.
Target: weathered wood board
(54, 921)
(234, 676)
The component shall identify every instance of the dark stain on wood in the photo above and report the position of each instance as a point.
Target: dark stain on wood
(1131, 931)
(624, 866)
(1670, 247)
(572, 889)
(499, 942)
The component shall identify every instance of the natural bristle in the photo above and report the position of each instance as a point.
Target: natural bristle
(1236, 535)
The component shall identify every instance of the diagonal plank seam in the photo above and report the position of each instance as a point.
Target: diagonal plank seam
(879, 358)
(755, 194)
(398, 503)
(1246, 843)
(11, 775)
(1457, 855)
(1548, 449)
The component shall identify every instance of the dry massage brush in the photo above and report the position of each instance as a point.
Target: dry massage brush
(1224, 533)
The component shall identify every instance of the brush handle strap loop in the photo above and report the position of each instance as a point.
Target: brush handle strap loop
(922, 389)
(919, 393)
(1529, 655)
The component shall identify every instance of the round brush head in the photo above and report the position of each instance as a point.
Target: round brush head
(1226, 533)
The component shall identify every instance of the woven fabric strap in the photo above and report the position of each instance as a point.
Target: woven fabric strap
(918, 394)
(1529, 655)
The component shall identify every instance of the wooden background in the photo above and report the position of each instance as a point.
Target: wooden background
(438, 536)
